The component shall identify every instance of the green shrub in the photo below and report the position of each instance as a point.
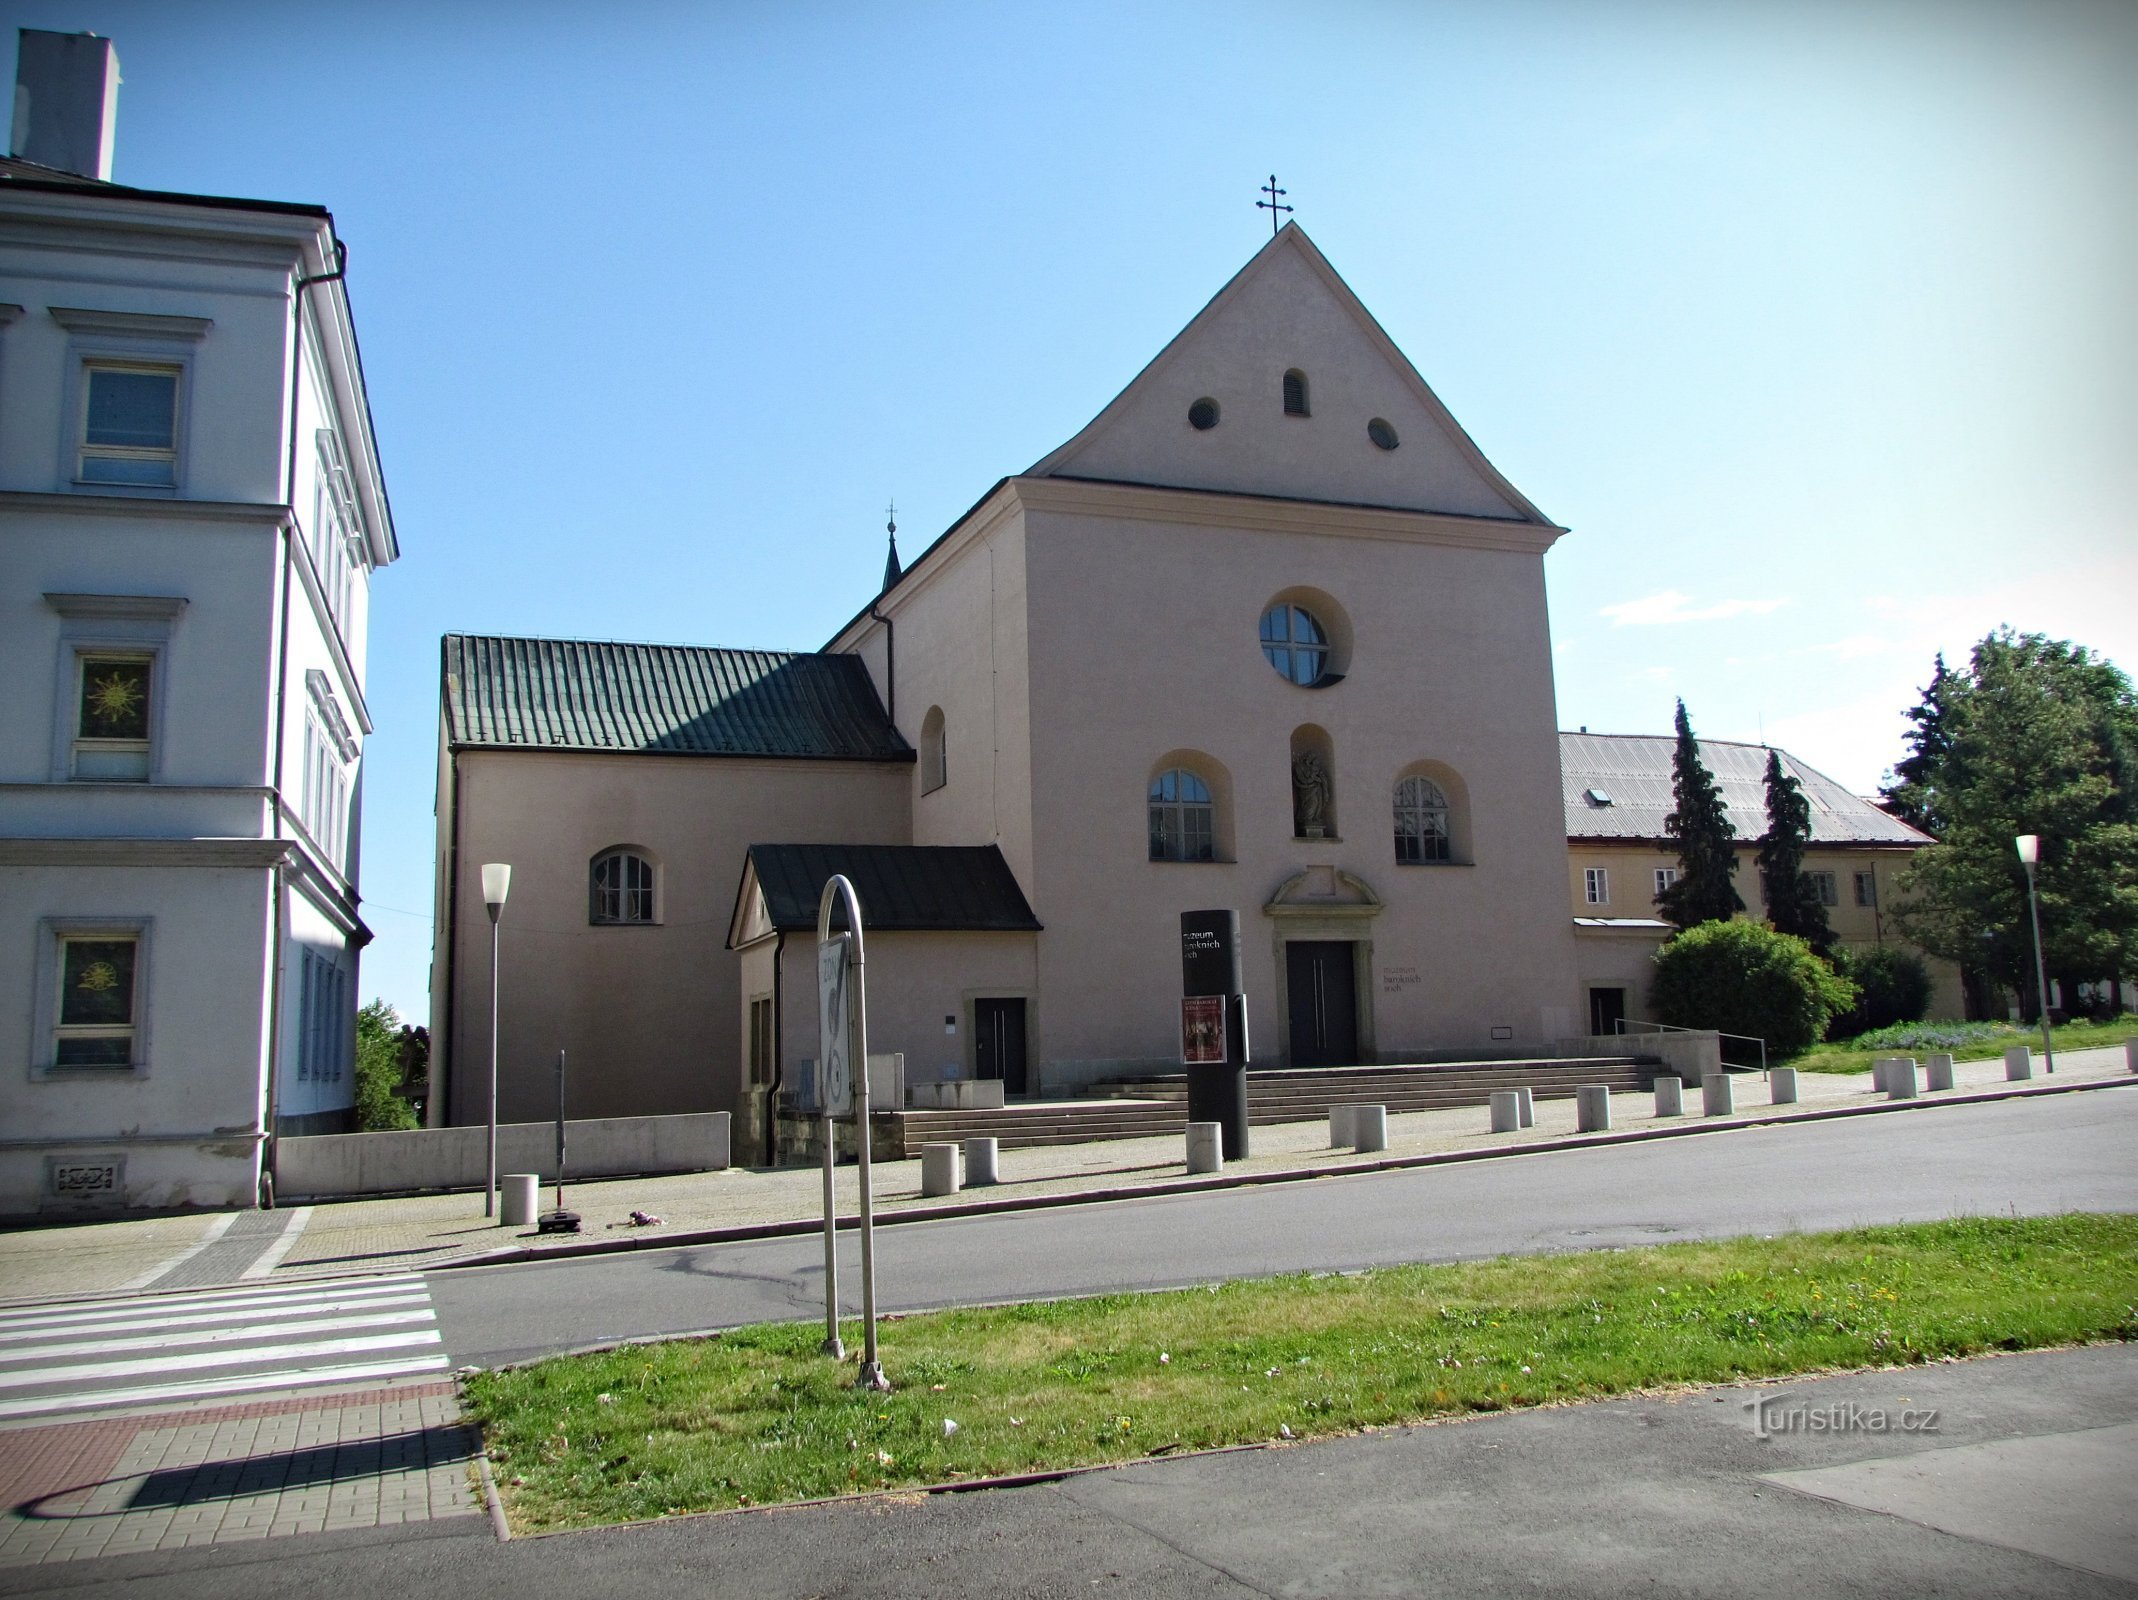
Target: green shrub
(1743, 977)
(1927, 1036)
(1894, 985)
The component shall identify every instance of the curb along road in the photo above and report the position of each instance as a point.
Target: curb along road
(518, 1255)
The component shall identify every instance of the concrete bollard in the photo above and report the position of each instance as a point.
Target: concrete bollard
(1878, 1074)
(517, 1199)
(1782, 1086)
(1369, 1128)
(1206, 1147)
(1592, 1107)
(939, 1169)
(1526, 1104)
(1670, 1097)
(982, 1162)
(1718, 1096)
(1900, 1079)
(1340, 1118)
(2130, 1054)
(1940, 1071)
(1506, 1111)
(2018, 1063)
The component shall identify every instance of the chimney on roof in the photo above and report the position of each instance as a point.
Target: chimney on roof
(66, 101)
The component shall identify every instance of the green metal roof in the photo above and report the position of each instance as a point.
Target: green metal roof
(656, 699)
(902, 887)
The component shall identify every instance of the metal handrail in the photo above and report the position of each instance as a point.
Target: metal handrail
(1620, 1025)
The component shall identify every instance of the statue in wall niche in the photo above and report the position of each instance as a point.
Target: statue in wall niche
(1310, 795)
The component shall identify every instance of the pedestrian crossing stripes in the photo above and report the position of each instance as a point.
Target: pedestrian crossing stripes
(64, 1360)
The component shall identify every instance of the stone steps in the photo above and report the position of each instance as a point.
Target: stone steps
(1158, 1104)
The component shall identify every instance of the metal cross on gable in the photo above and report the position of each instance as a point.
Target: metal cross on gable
(1272, 205)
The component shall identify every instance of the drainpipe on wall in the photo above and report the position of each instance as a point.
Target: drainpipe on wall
(890, 662)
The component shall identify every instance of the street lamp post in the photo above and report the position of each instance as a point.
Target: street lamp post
(497, 881)
(2029, 847)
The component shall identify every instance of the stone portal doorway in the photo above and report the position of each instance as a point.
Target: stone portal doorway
(998, 1043)
(1321, 992)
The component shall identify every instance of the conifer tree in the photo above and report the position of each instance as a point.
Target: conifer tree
(1912, 792)
(1792, 898)
(1707, 854)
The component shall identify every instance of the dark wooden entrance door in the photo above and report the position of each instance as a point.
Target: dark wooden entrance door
(1607, 1009)
(1321, 993)
(998, 1042)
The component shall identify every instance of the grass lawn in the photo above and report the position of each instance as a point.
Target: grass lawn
(1965, 1041)
(757, 1416)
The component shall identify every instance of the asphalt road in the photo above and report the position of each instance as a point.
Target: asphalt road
(2030, 1157)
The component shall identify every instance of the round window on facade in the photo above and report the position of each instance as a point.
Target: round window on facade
(1296, 644)
(1382, 433)
(1202, 416)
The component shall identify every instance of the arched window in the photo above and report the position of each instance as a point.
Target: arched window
(1295, 393)
(620, 887)
(1183, 817)
(1422, 822)
(935, 752)
(1296, 644)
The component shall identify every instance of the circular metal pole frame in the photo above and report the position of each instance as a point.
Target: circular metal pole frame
(871, 1376)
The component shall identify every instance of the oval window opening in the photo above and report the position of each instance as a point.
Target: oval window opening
(1202, 416)
(1382, 434)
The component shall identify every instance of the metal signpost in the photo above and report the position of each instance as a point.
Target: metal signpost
(1213, 1024)
(843, 1022)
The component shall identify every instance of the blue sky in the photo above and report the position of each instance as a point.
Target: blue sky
(1813, 322)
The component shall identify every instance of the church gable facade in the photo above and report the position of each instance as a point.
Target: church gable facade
(1289, 658)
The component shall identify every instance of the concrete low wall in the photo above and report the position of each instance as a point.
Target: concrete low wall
(452, 1158)
(1694, 1057)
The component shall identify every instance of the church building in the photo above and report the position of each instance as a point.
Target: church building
(1269, 634)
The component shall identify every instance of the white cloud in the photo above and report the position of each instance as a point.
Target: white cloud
(1670, 606)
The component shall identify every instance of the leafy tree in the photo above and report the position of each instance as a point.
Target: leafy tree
(2039, 738)
(1911, 790)
(1707, 854)
(381, 1067)
(1893, 987)
(1743, 977)
(1793, 903)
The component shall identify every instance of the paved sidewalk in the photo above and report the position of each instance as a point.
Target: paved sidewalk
(423, 1231)
(222, 1474)
(2018, 1486)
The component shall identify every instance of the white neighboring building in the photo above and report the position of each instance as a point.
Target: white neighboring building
(190, 512)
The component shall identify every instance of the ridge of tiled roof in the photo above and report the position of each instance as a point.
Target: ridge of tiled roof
(1634, 770)
(901, 887)
(656, 699)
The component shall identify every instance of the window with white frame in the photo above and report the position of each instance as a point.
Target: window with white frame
(1183, 817)
(325, 1022)
(620, 888)
(1421, 822)
(329, 750)
(129, 425)
(1664, 878)
(114, 695)
(110, 680)
(97, 1013)
(1829, 890)
(1867, 889)
(335, 536)
(1596, 885)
